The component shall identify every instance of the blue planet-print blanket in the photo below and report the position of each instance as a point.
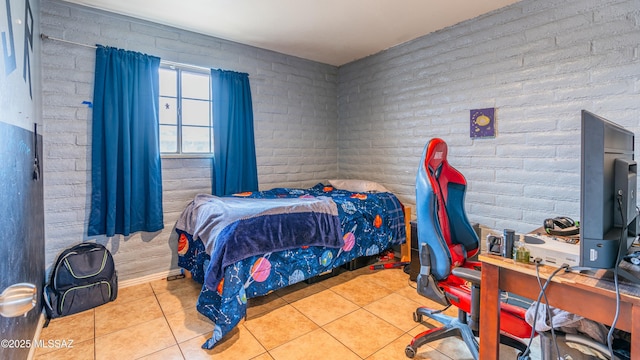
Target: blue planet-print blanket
(235, 228)
(369, 224)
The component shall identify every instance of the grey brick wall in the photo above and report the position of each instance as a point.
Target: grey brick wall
(538, 62)
(295, 114)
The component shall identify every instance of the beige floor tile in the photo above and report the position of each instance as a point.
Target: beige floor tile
(361, 291)
(396, 350)
(392, 279)
(453, 347)
(396, 310)
(132, 293)
(77, 327)
(363, 332)
(279, 326)
(264, 356)
(123, 315)
(324, 307)
(170, 353)
(162, 285)
(75, 351)
(263, 304)
(316, 345)
(135, 341)
(409, 291)
(428, 353)
(239, 344)
(188, 324)
(284, 322)
(178, 298)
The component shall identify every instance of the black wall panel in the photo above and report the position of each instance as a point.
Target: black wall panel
(21, 229)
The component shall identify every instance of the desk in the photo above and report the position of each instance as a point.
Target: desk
(576, 293)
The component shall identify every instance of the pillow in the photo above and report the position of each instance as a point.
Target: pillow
(357, 185)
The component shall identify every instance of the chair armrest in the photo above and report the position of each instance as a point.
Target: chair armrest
(466, 274)
(473, 276)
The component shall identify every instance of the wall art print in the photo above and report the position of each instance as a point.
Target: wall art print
(482, 123)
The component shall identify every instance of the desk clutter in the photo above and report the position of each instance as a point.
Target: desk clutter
(553, 250)
(576, 337)
(556, 251)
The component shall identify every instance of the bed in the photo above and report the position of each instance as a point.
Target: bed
(302, 233)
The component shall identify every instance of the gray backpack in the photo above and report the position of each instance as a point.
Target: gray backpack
(83, 277)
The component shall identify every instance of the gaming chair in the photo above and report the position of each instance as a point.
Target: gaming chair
(446, 242)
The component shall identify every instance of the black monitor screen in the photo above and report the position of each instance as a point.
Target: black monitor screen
(607, 192)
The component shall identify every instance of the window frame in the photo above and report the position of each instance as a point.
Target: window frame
(180, 69)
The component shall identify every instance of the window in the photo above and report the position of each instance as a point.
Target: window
(186, 124)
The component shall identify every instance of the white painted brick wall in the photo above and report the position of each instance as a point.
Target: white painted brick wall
(538, 62)
(295, 115)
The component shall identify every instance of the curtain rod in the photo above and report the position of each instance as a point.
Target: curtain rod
(164, 62)
(47, 37)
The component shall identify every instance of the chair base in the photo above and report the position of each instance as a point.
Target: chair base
(451, 327)
(457, 327)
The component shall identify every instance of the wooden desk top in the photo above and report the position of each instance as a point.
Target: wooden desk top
(586, 294)
(589, 295)
(599, 280)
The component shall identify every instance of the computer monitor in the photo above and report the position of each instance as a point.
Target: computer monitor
(608, 212)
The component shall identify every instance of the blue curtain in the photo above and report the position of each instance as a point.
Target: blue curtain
(126, 188)
(235, 168)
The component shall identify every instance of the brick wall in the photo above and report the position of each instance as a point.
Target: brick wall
(295, 114)
(538, 62)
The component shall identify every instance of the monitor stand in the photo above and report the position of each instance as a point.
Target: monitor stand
(628, 275)
(623, 248)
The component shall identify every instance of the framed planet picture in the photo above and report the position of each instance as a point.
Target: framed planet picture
(482, 123)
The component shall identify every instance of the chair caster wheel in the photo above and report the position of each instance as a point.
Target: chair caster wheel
(410, 352)
(417, 317)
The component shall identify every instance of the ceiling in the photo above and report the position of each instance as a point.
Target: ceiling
(334, 32)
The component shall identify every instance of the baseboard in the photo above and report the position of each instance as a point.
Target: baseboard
(149, 278)
(36, 336)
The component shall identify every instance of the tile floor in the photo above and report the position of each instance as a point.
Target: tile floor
(359, 314)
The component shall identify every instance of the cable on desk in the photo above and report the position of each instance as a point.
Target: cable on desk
(615, 278)
(615, 318)
(549, 313)
(525, 354)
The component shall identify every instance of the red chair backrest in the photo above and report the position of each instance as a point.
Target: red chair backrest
(442, 176)
(439, 173)
(444, 226)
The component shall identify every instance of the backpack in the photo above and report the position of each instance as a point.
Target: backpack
(83, 277)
